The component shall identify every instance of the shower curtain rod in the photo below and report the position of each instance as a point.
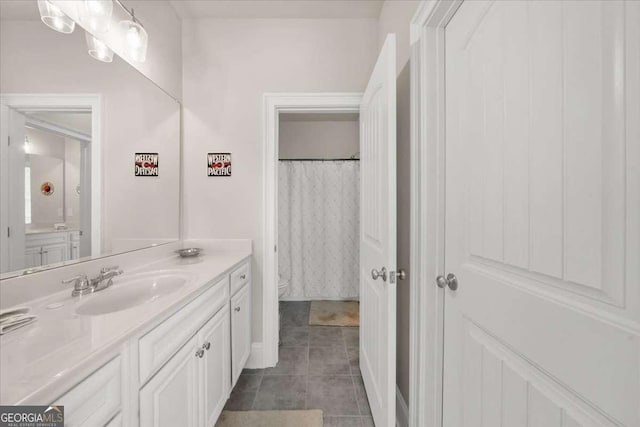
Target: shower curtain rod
(318, 160)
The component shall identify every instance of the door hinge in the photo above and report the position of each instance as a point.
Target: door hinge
(8, 139)
(8, 231)
(275, 248)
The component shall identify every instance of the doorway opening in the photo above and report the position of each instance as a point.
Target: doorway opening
(277, 106)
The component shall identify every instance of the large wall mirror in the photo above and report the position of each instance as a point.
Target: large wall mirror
(90, 160)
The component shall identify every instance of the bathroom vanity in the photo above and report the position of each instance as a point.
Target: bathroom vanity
(163, 346)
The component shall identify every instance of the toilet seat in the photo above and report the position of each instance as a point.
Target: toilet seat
(283, 286)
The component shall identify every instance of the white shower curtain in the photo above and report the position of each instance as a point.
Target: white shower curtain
(318, 228)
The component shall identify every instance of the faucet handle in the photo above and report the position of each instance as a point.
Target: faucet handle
(105, 270)
(76, 280)
(81, 285)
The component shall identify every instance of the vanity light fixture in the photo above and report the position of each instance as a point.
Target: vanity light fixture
(136, 38)
(98, 49)
(96, 15)
(54, 18)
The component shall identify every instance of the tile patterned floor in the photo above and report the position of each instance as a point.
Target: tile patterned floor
(318, 368)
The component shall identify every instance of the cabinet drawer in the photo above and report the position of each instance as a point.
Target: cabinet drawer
(240, 276)
(95, 400)
(157, 346)
(35, 240)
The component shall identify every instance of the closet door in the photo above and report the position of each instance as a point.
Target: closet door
(542, 214)
(378, 237)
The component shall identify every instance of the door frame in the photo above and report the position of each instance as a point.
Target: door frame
(426, 358)
(69, 102)
(265, 354)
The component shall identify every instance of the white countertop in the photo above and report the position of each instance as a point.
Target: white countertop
(47, 230)
(41, 361)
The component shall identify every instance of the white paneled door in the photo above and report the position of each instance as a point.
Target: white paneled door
(543, 214)
(378, 236)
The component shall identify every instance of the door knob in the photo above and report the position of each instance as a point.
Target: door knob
(382, 273)
(451, 281)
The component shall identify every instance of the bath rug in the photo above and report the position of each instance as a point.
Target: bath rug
(334, 313)
(310, 418)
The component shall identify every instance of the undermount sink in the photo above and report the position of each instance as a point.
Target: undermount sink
(133, 291)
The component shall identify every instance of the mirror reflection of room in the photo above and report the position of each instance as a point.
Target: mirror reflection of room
(57, 174)
(68, 191)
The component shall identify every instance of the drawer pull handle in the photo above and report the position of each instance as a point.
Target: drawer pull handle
(206, 345)
(200, 353)
(236, 309)
(244, 276)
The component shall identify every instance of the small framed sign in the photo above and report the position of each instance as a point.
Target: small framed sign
(146, 164)
(218, 164)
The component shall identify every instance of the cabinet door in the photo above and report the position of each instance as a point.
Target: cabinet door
(52, 254)
(170, 398)
(74, 250)
(240, 330)
(214, 340)
(32, 257)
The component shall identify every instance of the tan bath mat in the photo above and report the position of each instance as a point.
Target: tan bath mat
(334, 313)
(310, 418)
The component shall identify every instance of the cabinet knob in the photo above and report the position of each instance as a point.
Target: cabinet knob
(236, 309)
(200, 353)
(206, 345)
(244, 276)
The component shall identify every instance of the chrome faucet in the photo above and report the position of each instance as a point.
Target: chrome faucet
(105, 278)
(82, 285)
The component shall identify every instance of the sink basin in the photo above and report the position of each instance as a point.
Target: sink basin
(131, 292)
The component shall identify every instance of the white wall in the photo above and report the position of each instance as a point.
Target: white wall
(46, 158)
(137, 117)
(164, 54)
(318, 139)
(228, 66)
(71, 181)
(395, 17)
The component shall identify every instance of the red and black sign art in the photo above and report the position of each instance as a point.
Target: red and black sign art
(219, 164)
(146, 164)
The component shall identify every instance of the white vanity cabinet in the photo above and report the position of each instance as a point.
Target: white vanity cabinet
(177, 372)
(171, 397)
(97, 400)
(193, 385)
(50, 248)
(215, 366)
(240, 331)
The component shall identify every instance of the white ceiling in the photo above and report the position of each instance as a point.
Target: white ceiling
(249, 9)
(80, 122)
(312, 9)
(19, 10)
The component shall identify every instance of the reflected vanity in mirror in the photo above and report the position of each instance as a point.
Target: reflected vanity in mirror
(71, 126)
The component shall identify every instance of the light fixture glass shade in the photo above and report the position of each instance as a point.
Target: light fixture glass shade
(54, 18)
(98, 49)
(135, 40)
(96, 15)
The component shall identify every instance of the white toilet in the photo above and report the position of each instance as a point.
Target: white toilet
(283, 286)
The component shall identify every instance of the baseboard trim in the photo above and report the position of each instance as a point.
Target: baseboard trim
(256, 358)
(402, 411)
